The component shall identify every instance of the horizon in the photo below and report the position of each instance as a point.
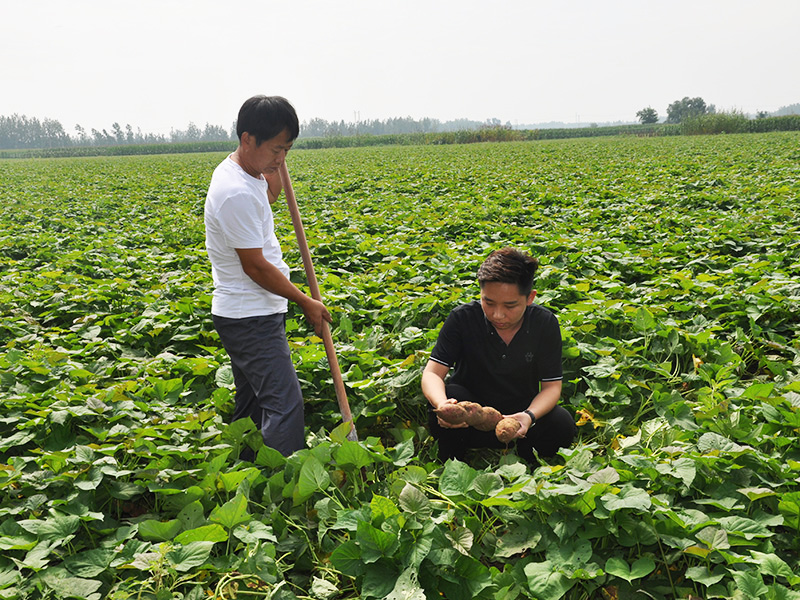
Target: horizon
(521, 126)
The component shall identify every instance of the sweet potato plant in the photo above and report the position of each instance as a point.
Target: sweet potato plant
(672, 264)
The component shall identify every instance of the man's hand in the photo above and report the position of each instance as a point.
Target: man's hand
(271, 279)
(525, 424)
(316, 314)
(434, 390)
(543, 403)
(274, 185)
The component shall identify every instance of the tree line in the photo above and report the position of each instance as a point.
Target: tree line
(19, 132)
(688, 108)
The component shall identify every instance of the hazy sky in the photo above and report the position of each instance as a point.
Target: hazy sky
(160, 64)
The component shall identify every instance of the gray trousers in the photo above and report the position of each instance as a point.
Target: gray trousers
(267, 388)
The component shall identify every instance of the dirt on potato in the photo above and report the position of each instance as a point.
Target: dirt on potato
(451, 413)
(506, 429)
(488, 418)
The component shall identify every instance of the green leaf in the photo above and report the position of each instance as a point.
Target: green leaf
(757, 493)
(470, 579)
(347, 558)
(53, 529)
(159, 531)
(487, 484)
(323, 589)
(253, 532)
(64, 586)
(89, 563)
(192, 515)
(407, 587)
(260, 561)
(18, 438)
(759, 390)
(224, 377)
(340, 432)
(313, 478)
(186, 557)
(404, 453)
(713, 442)
(643, 320)
(546, 581)
(629, 497)
(456, 478)
(607, 475)
(570, 553)
(379, 579)
(704, 576)
(415, 503)
(39, 556)
(350, 519)
(461, 539)
(520, 538)
(750, 584)
(122, 490)
(352, 454)
(270, 458)
(204, 533)
(789, 506)
(374, 543)
(714, 538)
(382, 507)
(232, 513)
(771, 564)
(744, 527)
(422, 546)
(232, 480)
(682, 468)
(642, 567)
(411, 474)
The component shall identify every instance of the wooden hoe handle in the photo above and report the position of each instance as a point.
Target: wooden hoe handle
(327, 338)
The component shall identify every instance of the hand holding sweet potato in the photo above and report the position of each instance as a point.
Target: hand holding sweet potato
(452, 412)
(507, 429)
(483, 418)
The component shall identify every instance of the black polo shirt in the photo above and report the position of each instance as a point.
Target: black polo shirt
(504, 376)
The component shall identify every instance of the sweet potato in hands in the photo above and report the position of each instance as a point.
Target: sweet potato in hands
(452, 412)
(507, 429)
(483, 418)
(486, 418)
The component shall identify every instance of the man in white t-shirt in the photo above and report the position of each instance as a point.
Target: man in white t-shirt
(251, 281)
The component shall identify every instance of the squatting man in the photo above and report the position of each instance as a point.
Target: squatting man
(504, 351)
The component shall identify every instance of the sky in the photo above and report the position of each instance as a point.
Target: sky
(162, 64)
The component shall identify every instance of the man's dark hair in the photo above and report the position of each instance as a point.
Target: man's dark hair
(508, 265)
(264, 117)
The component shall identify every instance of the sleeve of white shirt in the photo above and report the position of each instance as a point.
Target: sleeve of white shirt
(240, 219)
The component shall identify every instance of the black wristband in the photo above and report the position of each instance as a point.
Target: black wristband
(531, 415)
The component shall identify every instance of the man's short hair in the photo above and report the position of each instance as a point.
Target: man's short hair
(509, 265)
(264, 117)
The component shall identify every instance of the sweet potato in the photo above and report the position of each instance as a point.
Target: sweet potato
(473, 411)
(506, 429)
(488, 418)
(484, 418)
(452, 413)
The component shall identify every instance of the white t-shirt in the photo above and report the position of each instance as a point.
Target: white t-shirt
(238, 215)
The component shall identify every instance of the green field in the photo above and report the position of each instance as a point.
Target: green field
(672, 264)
